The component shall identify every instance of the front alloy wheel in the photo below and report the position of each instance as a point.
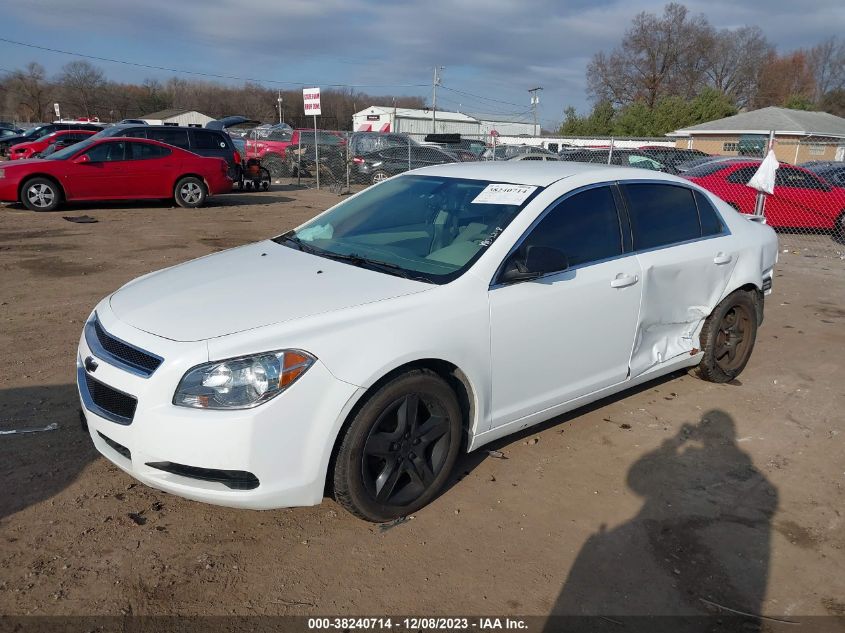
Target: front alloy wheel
(400, 447)
(40, 194)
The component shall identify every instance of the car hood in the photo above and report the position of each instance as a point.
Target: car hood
(21, 163)
(246, 288)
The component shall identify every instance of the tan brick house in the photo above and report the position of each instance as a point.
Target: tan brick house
(800, 136)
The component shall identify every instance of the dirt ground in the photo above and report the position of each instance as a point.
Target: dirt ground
(670, 499)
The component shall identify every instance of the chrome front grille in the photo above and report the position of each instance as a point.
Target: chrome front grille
(119, 353)
(105, 401)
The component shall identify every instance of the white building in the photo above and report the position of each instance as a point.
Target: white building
(507, 126)
(190, 118)
(408, 121)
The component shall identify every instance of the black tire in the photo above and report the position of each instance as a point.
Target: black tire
(839, 228)
(392, 461)
(190, 192)
(379, 175)
(728, 337)
(276, 165)
(41, 194)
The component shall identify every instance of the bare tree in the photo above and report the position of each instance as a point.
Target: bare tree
(82, 84)
(827, 64)
(735, 60)
(658, 57)
(32, 92)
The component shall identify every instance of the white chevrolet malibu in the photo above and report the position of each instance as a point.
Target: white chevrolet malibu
(442, 309)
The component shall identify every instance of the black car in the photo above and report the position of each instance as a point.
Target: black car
(672, 156)
(361, 143)
(41, 131)
(377, 166)
(623, 157)
(202, 141)
(832, 172)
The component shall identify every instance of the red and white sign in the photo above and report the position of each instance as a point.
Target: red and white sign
(311, 97)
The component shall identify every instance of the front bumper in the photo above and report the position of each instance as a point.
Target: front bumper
(284, 444)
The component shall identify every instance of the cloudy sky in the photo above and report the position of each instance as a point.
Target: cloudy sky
(493, 50)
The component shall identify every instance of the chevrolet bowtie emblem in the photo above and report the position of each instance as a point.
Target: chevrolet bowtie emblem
(91, 365)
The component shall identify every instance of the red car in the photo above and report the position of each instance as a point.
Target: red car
(114, 169)
(801, 199)
(67, 137)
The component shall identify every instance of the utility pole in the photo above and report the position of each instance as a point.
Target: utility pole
(279, 101)
(434, 85)
(535, 99)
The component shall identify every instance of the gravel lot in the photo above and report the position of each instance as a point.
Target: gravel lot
(670, 499)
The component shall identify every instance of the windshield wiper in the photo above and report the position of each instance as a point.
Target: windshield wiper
(292, 239)
(352, 258)
(374, 264)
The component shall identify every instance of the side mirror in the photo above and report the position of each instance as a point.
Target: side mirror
(538, 261)
(82, 159)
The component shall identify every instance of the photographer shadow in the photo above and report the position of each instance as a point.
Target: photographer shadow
(698, 547)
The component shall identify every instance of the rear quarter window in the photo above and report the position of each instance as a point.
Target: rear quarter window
(711, 222)
(208, 140)
(661, 214)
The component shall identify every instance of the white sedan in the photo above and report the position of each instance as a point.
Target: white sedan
(428, 315)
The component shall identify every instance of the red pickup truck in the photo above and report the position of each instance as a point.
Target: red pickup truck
(271, 149)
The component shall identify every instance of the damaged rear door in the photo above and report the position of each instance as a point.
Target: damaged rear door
(686, 255)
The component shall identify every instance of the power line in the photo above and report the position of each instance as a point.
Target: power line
(202, 74)
(469, 94)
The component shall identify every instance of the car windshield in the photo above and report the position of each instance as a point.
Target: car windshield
(430, 228)
(35, 133)
(67, 152)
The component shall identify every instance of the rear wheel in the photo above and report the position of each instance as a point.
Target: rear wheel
(379, 175)
(190, 192)
(839, 228)
(40, 194)
(727, 338)
(399, 449)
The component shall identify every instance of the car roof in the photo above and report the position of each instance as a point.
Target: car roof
(541, 174)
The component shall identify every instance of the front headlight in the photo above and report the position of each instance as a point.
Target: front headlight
(243, 382)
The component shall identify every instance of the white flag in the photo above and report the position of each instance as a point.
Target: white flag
(764, 178)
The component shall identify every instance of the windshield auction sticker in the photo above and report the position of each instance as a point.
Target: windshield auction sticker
(502, 193)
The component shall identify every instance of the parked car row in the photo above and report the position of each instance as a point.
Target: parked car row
(114, 168)
(39, 132)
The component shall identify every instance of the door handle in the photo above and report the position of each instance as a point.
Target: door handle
(722, 258)
(622, 280)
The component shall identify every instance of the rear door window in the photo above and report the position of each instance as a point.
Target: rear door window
(136, 133)
(661, 214)
(796, 179)
(179, 138)
(145, 151)
(584, 227)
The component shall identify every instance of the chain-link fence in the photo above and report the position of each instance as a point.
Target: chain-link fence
(807, 206)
